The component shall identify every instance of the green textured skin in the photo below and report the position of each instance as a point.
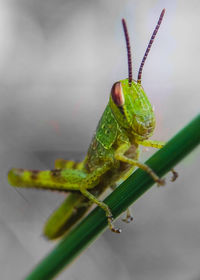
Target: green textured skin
(114, 129)
(106, 131)
(135, 124)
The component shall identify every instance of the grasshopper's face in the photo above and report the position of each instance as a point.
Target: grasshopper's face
(132, 109)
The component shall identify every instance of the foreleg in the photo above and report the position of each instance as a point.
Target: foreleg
(119, 155)
(158, 145)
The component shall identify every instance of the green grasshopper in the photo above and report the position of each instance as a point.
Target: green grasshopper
(127, 122)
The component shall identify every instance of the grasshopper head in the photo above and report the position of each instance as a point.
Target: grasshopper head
(128, 100)
(132, 109)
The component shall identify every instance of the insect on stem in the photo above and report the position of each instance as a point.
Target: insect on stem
(128, 51)
(127, 122)
(149, 46)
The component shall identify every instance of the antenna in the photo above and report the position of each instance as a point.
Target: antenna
(128, 51)
(149, 46)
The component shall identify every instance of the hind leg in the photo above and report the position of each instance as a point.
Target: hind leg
(63, 180)
(65, 164)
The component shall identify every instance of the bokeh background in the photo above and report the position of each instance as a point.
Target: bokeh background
(58, 61)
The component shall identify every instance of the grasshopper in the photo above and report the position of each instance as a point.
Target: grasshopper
(127, 122)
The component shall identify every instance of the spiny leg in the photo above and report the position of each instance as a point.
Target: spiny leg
(90, 196)
(69, 213)
(63, 179)
(101, 204)
(158, 145)
(119, 155)
(83, 189)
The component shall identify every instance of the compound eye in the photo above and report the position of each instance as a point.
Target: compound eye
(117, 94)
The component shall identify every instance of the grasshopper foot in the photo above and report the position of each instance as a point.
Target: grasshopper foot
(112, 228)
(174, 175)
(160, 182)
(128, 218)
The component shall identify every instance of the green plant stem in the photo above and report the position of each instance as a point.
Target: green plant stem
(128, 192)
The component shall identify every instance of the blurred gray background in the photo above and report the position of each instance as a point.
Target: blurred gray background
(58, 61)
